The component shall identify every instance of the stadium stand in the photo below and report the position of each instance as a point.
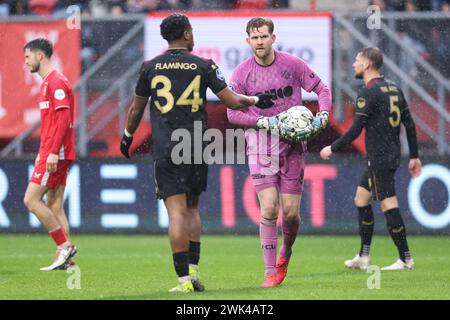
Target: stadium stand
(418, 46)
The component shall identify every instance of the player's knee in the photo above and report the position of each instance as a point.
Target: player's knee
(385, 206)
(28, 202)
(192, 211)
(178, 214)
(290, 211)
(361, 201)
(269, 210)
(388, 203)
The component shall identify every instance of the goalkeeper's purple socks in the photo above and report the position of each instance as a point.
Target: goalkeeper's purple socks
(290, 230)
(268, 235)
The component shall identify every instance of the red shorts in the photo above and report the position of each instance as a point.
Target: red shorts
(52, 181)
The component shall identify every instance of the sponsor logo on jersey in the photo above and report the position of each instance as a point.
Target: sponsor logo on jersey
(44, 105)
(176, 66)
(285, 74)
(59, 94)
(258, 176)
(361, 102)
(281, 93)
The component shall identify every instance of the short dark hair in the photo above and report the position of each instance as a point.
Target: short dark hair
(258, 23)
(173, 26)
(374, 55)
(40, 44)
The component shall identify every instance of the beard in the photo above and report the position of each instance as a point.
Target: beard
(358, 75)
(262, 54)
(35, 68)
(190, 47)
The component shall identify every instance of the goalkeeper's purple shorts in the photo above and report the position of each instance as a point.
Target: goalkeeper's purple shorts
(287, 175)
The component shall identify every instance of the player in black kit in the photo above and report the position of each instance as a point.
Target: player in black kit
(380, 108)
(177, 81)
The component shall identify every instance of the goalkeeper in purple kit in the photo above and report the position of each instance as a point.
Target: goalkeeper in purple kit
(284, 76)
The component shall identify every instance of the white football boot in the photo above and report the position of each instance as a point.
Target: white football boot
(400, 265)
(63, 254)
(358, 262)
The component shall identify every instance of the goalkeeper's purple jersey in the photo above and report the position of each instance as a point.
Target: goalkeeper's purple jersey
(285, 78)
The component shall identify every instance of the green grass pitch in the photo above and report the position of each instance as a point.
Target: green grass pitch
(140, 267)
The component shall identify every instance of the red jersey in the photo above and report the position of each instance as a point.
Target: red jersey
(56, 93)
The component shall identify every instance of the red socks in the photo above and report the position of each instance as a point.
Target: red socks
(58, 236)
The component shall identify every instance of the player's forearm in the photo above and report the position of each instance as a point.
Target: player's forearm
(134, 118)
(235, 100)
(239, 101)
(350, 135)
(241, 118)
(324, 97)
(411, 136)
(63, 124)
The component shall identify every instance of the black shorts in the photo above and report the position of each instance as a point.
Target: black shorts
(171, 179)
(380, 182)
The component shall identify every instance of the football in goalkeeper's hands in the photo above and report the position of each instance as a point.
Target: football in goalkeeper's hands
(298, 118)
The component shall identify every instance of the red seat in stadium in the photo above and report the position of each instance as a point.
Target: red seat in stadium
(251, 5)
(42, 7)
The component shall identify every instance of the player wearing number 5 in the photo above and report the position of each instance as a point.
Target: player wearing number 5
(177, 81)
(380, 108)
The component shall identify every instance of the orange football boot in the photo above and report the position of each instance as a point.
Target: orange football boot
(281, 268)
(270, 280)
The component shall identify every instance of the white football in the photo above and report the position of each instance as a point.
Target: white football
(298, 117)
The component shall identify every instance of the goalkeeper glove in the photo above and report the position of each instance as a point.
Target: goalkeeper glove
(304, 134)
(323, 118)
(125, 144)
(319, 123)
(264, 100)
(271, 124)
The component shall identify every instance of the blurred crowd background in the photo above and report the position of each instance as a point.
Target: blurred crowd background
(415, 36)
(430, 41)
(118, 7)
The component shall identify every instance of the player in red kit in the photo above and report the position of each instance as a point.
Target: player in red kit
(56, 151)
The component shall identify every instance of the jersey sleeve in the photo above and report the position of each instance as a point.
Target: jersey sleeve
(59, 94)
(359, 122)
(214, 77)
(362, 104)
(308, 78)
(240, 117)
(143, 85)
(410, 128)
(236, 83)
